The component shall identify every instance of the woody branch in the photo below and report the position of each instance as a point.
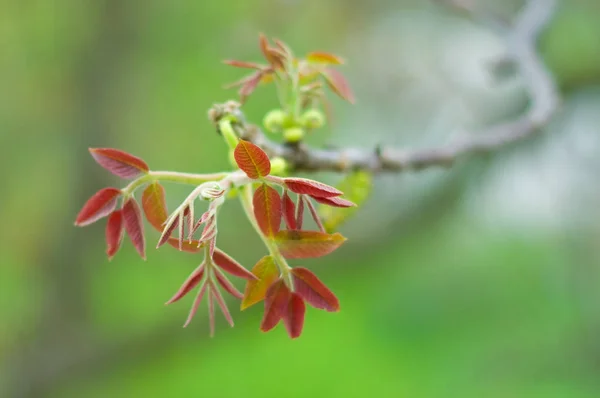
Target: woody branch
(544, 101)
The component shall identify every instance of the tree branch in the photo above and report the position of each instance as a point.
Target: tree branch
(540, 85)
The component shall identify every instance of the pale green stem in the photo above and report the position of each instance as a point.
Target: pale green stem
(284, 268)
(171, 176)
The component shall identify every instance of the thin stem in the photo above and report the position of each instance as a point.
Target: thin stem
(172, 176)
(246, 200)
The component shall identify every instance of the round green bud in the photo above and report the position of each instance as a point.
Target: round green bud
(312, 119)
(293, 134)
(274, 120)
(278, 166)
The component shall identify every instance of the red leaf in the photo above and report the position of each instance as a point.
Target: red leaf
(243, 64)
(219, 297)
(335, 202)
(190, 283)
(121, 164)
(275, 305)
(211, 313)
(288, 209)
(307, 285)
(249, 85)
(252, 160)
(267, 209)
(338, 84)
(314, 214)
(228, 264)
(227, 285)
(272, 57)
(186, 247)
(293, 319)
(155, 205)
(307, 244)
(324, 58)
(310, 187)
(114, 233)
(100, 205)
(256, 289)
(196, 303)
(134, 227)
(300, 212)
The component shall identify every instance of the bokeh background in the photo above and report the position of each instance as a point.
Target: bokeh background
(480, 281)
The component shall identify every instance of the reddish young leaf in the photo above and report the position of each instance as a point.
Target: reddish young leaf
(307, 285)
(132, 217)
(242, 64)
(300, 212)
(155, 205)
(293, 318)
(100, 205)
(249, 85)
(211, 313)
(278, 296)
(307, 244)
(221, 301)
(166, 235)
(186, 247)
(190, 283)
(269, 53)
(313, 213)
(338, 84)
(114, 233)
(227, 285)
(121, 164)
(196, 303)
(228, 264)
(324, 58)
(252, 160)
(310, 187)
(335, 202)
(267, 209)
(288, 209)
(256, 289)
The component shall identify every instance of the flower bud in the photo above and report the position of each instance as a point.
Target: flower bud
(312, 119)
(274, 120)
(293, 134)
(278, 166)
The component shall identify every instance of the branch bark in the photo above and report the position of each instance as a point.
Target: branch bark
(539, 83)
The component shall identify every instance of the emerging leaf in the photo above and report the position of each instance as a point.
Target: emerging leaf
(300, 212)
(276, 303)
(196, 303)
(132, 217)
(249, 85)
(293, 319)
(313, 213)
(338, 84)
(307, 285)
(219, 297)
(272, 56)
(307, 244)
(266, 273)
(155, 205)
(311, 187)
(121, 164)
(252, 160)
(335, 202)
(228, 264)
(324, 58)
(267, 209)
(191, 282)
(226, 284)
(243, 64)
(98, 206)
(288, 209)
(114, 233)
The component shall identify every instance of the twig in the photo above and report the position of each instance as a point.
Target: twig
(539, 83)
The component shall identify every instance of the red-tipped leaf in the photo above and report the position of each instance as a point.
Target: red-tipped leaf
(338, 84)
(288, 210)
(132, 217)
(252, 160)
(307, 285)
(276, 303)
(293, 319)
(335, 201)
(155, 205)
(304, 186)
(227, 285)
(229, 265)
(121, 164)
(98, 206)
(267, 209)
(307, 244)
(190, 283)
(114, 233)
(266, 273)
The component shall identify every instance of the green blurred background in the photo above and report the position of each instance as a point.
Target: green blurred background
(480, 281)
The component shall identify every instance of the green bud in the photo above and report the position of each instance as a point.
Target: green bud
(278, 166)
(274, 120)
(293, 134)
(312, 119)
